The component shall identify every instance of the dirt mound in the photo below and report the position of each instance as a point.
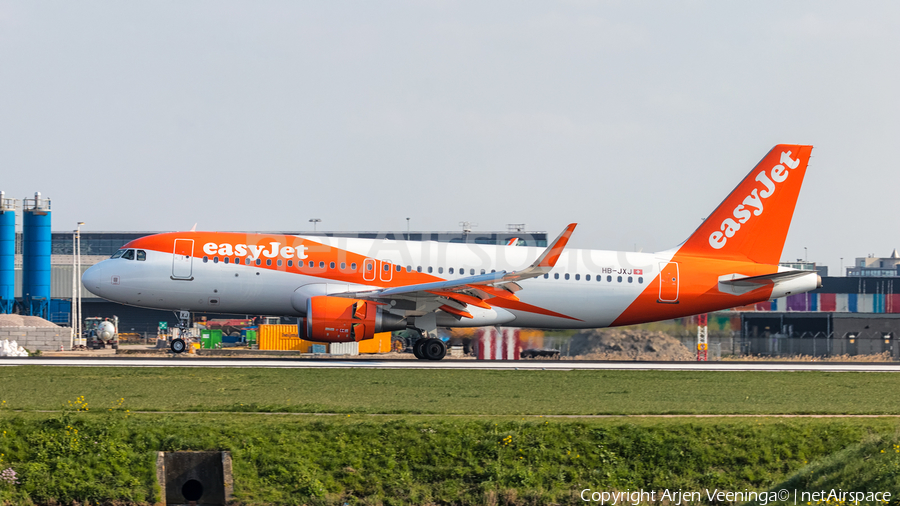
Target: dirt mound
(627, 344)
(17, 320)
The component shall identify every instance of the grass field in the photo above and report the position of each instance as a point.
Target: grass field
(72, 436)
(454, 392)
(108, 457)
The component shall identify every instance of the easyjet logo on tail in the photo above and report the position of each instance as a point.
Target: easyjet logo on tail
(753, 203)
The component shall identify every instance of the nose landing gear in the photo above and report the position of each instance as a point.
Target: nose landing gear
(178, 345)
(184, 320)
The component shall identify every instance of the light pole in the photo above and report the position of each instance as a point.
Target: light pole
(841, 272)
(805, 255)
(407, 229)
(76, 286)
(315, 221)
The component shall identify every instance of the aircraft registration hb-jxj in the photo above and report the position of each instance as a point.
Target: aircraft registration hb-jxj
(346, 289)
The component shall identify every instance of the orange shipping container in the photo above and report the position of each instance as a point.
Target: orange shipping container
(381, 343)
(282, 337)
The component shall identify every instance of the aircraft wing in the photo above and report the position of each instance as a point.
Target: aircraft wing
(455, 295)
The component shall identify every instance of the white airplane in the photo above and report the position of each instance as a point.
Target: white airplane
(346, 289)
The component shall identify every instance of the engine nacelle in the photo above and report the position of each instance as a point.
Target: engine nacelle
(340, 320)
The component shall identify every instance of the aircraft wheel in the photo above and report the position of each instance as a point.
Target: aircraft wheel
(434, 349)
(417, 348)
(178, 345)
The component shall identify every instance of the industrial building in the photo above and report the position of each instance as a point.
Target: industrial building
(872, 266)
(847, 316)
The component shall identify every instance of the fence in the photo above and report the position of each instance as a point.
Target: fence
(813, 344)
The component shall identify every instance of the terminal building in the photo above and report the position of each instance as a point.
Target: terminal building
(98, 246)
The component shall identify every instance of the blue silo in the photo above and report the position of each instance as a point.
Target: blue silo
(36, 256)
(7, 254)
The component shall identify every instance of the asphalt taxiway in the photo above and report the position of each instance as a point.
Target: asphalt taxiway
(519, 365)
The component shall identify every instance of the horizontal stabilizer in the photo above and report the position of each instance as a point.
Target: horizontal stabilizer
(739, 284)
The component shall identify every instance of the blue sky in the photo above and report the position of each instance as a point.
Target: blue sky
(634, 119)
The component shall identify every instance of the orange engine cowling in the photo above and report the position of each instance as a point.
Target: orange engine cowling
(338, 320)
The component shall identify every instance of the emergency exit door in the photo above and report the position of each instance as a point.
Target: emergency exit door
(182, 259)
(668, 282)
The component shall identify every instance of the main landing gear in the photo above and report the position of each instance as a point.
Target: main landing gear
(429, 348)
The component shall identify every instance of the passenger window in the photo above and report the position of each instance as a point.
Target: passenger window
(609, 278)
(567, 276)
(353, 266)
(331, 265)
(215, 260)
(279, 262)
(630, 279)
(226, 260)
(587, 277)
(311, 264)
(205, 259)
(343, 265)
(556, 275)
(237, 261)
(368, 267)
(577, 277)
(129, 255)
(268, 262)
(321, 265)
(440, 270)
(258, 261)
(641, 280)
(141, 255)
(419, 269)
(117, 254)
(409, 268)
(290, 263)
(429, 269)
(246, 261)
(482, 271)
(546, 276)
(451, 270)
(619, 279)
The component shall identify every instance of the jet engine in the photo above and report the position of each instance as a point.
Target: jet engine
(338, 320)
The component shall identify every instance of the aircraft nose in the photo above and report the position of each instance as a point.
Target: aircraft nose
(92, 277)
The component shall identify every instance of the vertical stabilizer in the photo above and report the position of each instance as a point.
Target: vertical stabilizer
(753, 221)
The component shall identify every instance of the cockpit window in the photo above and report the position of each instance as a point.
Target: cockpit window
(141, 255)
(117, 254)
(129, 255)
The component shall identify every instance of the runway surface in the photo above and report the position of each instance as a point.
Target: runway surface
(519, 365)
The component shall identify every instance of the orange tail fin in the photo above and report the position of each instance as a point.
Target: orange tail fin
(753, 221)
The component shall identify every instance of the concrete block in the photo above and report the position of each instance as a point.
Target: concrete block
(195, 477)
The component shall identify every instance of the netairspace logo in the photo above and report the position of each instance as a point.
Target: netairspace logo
(762, 498)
